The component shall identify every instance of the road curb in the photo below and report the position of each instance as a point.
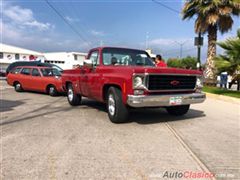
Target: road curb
(224, 98)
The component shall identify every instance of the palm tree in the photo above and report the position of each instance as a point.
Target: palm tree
(230, 61)
(212, 15)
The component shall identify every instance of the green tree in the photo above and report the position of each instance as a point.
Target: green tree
(230, 60)
(189, 62)
(212, 15)
(174, 62)
(186, 63)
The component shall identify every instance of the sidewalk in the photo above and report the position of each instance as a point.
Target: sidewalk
(224, 98)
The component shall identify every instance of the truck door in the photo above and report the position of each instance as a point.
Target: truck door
(90, 78)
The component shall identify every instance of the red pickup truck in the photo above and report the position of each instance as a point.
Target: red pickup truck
(127, 78)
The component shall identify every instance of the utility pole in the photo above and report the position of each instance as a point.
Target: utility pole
(101, 43)
(199, 50)
(147, 37)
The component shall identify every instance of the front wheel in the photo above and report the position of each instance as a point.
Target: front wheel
(178, 110)
(73, 99)
(117, 110)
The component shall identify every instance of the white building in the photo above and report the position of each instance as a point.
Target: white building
(65, 60)
(10, 54)
(149, 51)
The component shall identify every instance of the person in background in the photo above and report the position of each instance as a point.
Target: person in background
(223, 79)
(159, 62)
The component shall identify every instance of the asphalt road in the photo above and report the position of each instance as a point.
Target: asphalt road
(44, 137)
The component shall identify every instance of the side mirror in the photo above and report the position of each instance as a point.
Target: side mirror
(88, 63)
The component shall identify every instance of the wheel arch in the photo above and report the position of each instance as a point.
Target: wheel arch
(48, 86)
(105, 90)
(15, 82)
(67, 83)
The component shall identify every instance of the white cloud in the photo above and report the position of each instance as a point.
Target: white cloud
(40, 26)
(68, 18)
(22, 17)
(39, 40)
(168, 42)
(97, 33)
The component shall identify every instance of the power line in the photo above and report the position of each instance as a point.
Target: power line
(74, 10)
(66, 21)
(168, 7)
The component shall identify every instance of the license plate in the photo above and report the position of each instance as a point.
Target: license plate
(176, 100)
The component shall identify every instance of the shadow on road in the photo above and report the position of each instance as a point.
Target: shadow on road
(88, 104)
(141, 116)
(31, 117)
(145, 115)
(7, 105)
(158, 115)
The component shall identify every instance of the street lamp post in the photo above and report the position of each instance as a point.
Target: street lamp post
(199, 42)
(181, 47)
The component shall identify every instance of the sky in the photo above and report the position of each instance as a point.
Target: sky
(139, 24)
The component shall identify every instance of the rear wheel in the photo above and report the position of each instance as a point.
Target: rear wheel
(73, 99)
(52, 91)
(117, 110)
(18, 87)
(178, 110)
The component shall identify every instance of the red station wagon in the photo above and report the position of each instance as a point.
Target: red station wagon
(35, 78)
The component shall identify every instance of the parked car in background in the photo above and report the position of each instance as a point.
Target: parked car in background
(127, 78)
(31, 63)
(2, 73)
(36, 78)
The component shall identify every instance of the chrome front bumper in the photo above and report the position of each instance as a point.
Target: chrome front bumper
(164, 100)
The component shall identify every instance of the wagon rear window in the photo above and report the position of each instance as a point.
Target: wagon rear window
(16, 70)
(50, 72)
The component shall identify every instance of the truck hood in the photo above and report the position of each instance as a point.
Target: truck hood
(161, 70)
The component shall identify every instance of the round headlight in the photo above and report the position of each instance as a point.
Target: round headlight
(137, 82)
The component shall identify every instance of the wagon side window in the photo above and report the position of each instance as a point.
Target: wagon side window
(26, 71)
(35, 72)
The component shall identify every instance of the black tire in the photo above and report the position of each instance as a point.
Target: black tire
(18, 87)
(52, 91)
(120, 112)
(73, 99)
(178, 110)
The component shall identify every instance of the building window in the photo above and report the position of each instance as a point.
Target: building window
(17, 56)
(75, 57)
(1, 55)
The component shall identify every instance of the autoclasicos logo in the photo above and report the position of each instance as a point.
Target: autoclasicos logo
(187, 175)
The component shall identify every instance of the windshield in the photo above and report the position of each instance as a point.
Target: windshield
(126, 57)
(50, 72)
(57, 67)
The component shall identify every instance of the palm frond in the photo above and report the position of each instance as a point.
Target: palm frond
(225, 23)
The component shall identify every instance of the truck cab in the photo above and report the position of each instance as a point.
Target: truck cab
(126, 78)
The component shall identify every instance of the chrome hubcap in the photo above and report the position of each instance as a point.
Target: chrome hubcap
(111, 105)
(70, 94)
(51, 90)
(18, 86)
